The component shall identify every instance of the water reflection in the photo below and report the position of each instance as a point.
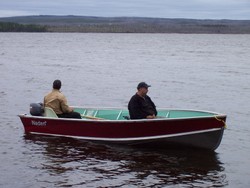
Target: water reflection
(77, 163)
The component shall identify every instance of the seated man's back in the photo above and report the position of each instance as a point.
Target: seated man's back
(58, 102)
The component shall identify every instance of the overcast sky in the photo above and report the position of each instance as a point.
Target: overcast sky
(197, 9)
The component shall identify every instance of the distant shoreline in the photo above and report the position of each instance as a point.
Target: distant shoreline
(88, 24)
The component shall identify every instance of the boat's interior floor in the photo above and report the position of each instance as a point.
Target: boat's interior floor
(121, 114)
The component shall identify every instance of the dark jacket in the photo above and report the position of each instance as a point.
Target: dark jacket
(140, 108)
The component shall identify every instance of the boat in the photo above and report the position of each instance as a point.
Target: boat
(171, 128)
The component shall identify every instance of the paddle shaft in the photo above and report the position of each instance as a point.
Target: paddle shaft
(91, 117)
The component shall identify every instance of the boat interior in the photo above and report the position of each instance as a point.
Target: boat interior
(122, 114)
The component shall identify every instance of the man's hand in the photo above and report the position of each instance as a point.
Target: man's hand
(151, 116)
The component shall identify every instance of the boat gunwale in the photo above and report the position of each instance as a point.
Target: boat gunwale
(213, 115)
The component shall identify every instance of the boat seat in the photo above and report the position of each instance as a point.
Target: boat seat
(49, 112)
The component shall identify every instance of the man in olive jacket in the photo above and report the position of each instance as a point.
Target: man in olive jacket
(58, 102)
(140, 105)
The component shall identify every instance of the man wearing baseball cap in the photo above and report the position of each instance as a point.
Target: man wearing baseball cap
(140, 105)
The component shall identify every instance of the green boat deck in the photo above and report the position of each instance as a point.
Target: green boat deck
(118, 114)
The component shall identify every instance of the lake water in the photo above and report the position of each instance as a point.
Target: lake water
(205, 72)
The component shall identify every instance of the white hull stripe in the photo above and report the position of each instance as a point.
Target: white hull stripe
(132, 138)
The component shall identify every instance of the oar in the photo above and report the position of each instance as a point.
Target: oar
(160, 117)
(90, 117)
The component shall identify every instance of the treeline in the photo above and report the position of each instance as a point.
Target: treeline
(15, 27)
(86, 24)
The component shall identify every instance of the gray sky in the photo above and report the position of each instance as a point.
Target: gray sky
(197, 9)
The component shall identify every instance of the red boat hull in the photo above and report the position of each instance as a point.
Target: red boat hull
(202, 132)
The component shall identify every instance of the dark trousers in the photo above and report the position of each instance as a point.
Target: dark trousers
(75, 115)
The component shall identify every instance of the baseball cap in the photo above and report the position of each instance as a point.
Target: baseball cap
(143, 85)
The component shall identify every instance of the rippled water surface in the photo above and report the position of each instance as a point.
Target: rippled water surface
(205, 72)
